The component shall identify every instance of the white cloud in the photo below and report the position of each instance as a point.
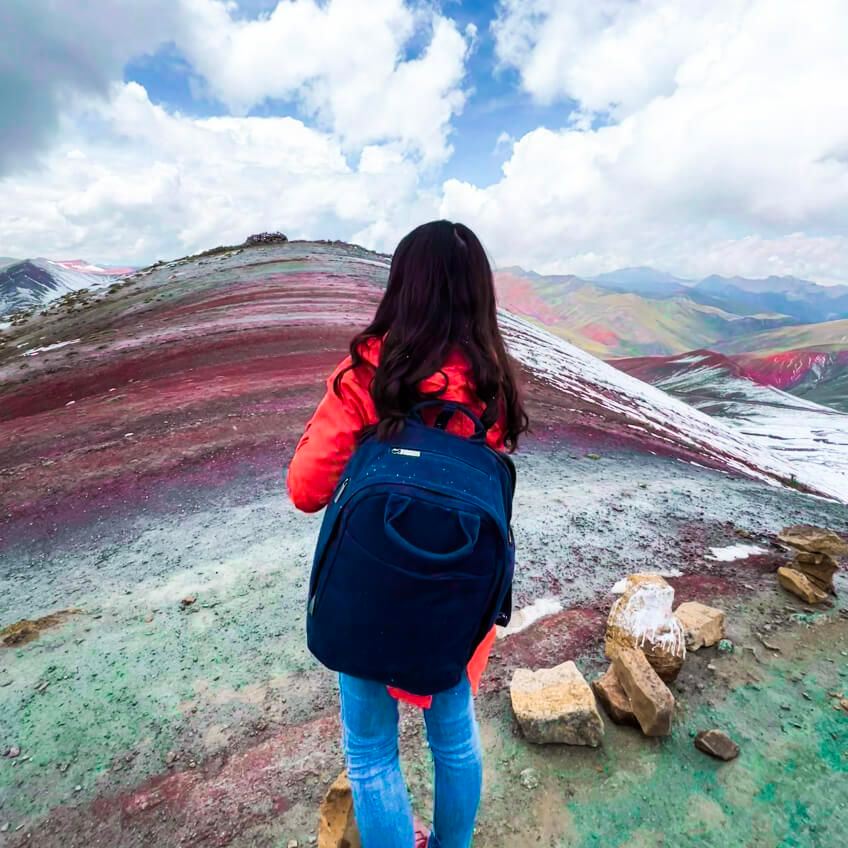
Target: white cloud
(343, 62)
(150, 184)
(51, 53)
(724, 145)
(614, 55)
(720, 140)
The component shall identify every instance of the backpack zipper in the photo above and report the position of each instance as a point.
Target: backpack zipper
(340, 492)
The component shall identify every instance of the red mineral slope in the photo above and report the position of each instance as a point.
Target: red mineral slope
(815, 374)
(222, 357)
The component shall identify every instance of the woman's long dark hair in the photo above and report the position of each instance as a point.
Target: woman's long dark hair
(440, 297)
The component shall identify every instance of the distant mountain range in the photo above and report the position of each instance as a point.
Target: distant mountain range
(773, 330)
(647, 281)
(800, 299)
(639, 311)
(34, 282)
(613, 322)
(804, 301)
(828, 335)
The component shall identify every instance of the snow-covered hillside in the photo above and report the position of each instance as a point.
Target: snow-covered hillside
(34, 282)
(793, 439)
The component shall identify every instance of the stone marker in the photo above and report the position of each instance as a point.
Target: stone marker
(650, 698)
(556, 705)
(614, 699)
(717, 744)
(818, 568)
(800, 585)
(703, 626)
(336, 825)
(642, 618)
(816, 540)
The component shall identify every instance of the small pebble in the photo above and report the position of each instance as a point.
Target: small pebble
(529, 778)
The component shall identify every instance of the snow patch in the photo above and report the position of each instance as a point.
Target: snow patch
(54, 346)
(526, 616)
(734, 552)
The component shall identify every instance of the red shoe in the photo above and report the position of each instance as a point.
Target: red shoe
(422, 834)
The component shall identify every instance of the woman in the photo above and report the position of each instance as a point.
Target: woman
(435, 334)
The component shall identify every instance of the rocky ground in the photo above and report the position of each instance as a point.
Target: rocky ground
(141, 720)
(162, 694)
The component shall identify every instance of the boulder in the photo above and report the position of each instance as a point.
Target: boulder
(336, 824)
(717, 744)
(818, 568)
(642, 618)
(614, 699)
(816, 540)
(703, 626)
(652, 702)
(556, 705)
(798, 583)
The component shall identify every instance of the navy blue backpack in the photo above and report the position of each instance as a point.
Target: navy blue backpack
(415, 556)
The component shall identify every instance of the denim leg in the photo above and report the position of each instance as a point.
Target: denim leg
(370, 732)
(455, 744)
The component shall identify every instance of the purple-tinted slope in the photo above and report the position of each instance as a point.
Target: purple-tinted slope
(223, 357)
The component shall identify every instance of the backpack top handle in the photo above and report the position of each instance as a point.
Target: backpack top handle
(449, 409)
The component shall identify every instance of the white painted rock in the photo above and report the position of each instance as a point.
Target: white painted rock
(556, 705)
(642, 618)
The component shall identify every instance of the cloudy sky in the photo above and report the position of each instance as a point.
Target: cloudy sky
(697, 136)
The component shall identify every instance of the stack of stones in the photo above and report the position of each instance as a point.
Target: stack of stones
(647, 645)
(266, 238)
(817, 554)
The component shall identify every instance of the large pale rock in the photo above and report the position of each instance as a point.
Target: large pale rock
(556, 705)
(816, 540)
(703, 626)
(642, 618)
(650, 698)
(336, 824)
(819, 568)
(797, 583)
(613, 698)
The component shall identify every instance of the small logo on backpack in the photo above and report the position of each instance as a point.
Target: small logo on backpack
(405, 452)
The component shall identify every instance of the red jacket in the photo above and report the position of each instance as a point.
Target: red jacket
(330, 438)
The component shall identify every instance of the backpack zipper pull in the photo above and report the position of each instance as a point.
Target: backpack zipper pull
(341, 489)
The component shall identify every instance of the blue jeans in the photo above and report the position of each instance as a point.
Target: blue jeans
(380, 800)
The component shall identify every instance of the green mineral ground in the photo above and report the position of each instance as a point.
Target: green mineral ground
(142, 721)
